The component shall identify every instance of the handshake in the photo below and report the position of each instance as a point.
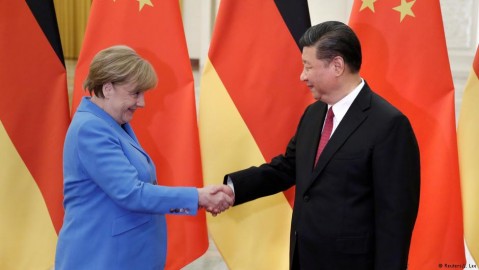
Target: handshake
(216, 198)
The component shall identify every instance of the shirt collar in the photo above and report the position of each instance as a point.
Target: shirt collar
(342, 106)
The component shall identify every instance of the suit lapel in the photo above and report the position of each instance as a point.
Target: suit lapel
(126, 133)
(133, 140)
(354, 117)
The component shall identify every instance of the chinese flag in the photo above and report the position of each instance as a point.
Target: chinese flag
(33, 122)
(405, 60)
(251, 100)
(167, 126)
(468, 134)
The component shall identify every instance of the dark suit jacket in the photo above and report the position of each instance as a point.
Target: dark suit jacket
(357, 208)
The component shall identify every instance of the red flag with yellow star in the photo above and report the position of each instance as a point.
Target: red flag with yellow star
(167, 126)
(405, 60)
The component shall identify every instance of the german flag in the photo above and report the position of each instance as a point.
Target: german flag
(33, 122)
(405, 60)
(468, 134)
(251, 100)
(167, 126)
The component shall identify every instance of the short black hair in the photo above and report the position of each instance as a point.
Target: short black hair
(331, 39)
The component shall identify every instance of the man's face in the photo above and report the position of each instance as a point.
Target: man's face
(318, 74)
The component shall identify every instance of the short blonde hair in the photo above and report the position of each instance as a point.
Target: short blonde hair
(119, 64)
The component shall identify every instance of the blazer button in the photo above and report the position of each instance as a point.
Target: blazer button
(306, 198)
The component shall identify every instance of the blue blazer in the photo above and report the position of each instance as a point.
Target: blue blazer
(114, 211)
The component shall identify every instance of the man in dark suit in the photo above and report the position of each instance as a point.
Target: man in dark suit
(357, 194)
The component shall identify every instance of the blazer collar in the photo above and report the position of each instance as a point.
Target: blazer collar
(355, 115)
(86, 105)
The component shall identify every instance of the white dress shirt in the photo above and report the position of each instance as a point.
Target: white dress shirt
(342, 106)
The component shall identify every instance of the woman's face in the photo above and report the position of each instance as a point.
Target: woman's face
(122, 100)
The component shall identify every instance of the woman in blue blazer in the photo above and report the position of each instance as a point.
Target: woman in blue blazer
(114, 211)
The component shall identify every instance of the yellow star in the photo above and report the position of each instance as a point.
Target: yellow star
(367, 4)
(405, 9)
(144, 2)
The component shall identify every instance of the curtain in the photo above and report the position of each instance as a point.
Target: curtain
(72, 16)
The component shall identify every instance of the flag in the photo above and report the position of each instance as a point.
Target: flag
(468, 134)
(167, 127)
(33, 122)
(251, 100)
(405, 60)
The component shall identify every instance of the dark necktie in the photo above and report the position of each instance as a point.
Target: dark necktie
(327, 129)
